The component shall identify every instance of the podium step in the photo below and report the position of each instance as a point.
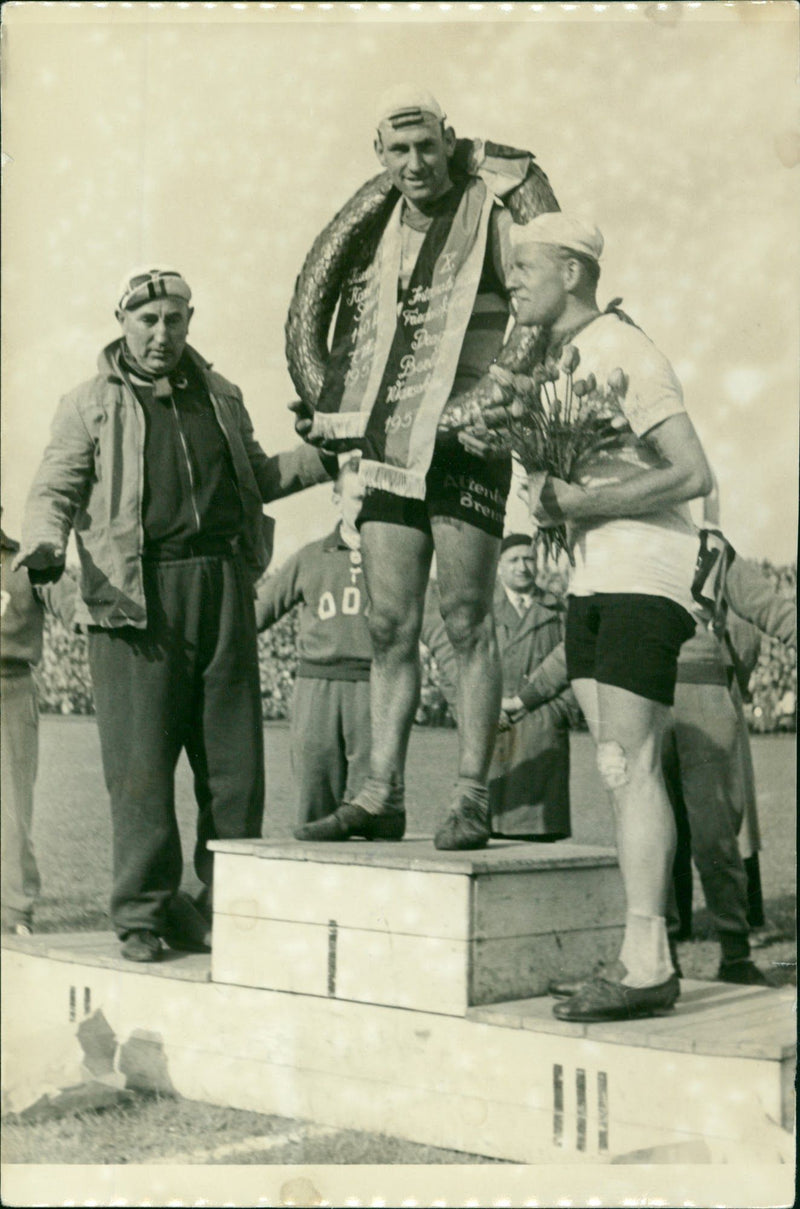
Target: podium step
(403, 925)
(711, 1082)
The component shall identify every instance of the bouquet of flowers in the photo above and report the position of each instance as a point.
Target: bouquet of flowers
(554, 422)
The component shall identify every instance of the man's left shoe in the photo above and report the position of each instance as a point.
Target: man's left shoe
(744, 971)
(352, 821)
(613, 972)
(601, 1000)
(466, 827)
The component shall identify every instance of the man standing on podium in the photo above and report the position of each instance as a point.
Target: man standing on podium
(629, 595)
(432, 309)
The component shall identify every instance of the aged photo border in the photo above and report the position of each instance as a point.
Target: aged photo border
(412, 1185)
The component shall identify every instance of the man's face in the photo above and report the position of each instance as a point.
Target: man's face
(416, 158)
(156, 333)
(349, 496)
(517, 569)
(537, 284)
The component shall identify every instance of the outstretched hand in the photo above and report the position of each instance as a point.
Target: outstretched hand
(483, 442)
(45, 562)
(303, 420)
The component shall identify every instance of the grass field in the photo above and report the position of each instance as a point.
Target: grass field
(73, 834)
(73, 839)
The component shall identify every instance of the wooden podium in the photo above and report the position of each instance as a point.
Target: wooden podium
(398, 990)
(407, 926)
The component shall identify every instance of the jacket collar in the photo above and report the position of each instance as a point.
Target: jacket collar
(109, 368)
(543, 606)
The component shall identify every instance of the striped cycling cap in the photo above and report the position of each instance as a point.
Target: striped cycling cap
(145, 285)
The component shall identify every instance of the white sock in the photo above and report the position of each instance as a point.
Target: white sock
(645, 950)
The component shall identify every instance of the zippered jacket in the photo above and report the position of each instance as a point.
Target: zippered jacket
(91, 480)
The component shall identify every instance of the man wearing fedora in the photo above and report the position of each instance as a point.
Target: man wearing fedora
(154, 466)
(529, 774)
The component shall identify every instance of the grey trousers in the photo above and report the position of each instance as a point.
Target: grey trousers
(330, 741)
(188, 682)
(19, 753)
(701, 766)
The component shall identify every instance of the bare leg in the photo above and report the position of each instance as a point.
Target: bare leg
(467, 563)
(628, 730)
(466, 560)
(396, 566)
(397, 563)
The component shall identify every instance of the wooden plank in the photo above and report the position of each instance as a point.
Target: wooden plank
(769, 1033)
(683, 1030)
(383, 1048)
(408, 971)
(739, 1015)
(103, 949)
(432, 1078)
(427, 973)
(499, 856)
(430, 1116)
(337, 1043)
(422, 972)
(388, 900)
(270, 953)
(705, 1018)
(516, 967)
(731, 1013)
(560, 900)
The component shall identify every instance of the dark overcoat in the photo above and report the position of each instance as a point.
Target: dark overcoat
(529, 775)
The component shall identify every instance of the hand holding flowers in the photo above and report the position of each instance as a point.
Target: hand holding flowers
(553, 433)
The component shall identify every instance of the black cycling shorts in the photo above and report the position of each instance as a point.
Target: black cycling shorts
(458, 484)
(629, 640)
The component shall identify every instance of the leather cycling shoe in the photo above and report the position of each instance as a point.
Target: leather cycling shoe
(142, 945)
(600, 1000)
(562, 988)
(350, 821)
(466, 827)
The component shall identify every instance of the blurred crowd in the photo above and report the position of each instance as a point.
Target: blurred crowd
(64, 685)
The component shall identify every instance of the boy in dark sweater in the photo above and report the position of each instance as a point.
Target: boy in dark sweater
(330, 725)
